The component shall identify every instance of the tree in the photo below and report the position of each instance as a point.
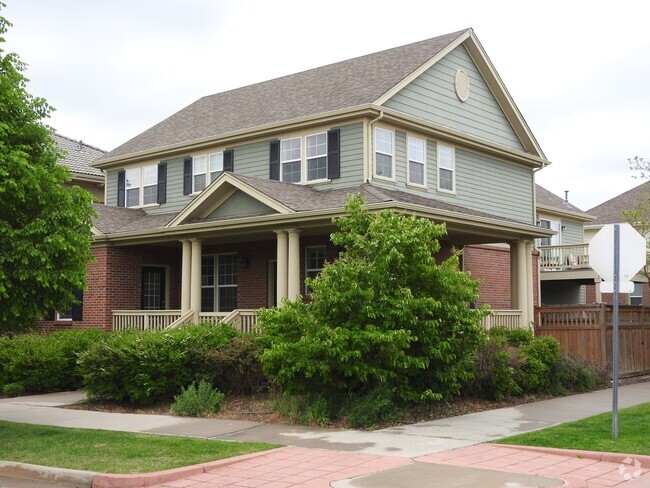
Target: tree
(44, 227)
(383, 314)
(639, 215)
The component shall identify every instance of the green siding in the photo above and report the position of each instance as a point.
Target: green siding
(432, 97)
(240, 205)
(351, 158)
(572, 232)
(176, 201)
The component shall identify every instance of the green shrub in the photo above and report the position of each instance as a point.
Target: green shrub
(379, 405)
(198, 401)
(317, 411)
(13, 389)
(496, 364)
(579, 375)
(235, 367)
(539, 360)
(143, 367)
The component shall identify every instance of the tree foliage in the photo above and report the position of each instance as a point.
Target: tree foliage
(384, 315)
(44, 227)
(638, 216)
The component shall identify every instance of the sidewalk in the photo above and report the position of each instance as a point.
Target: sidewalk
(394, 454)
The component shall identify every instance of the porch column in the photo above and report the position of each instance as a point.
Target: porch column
(281, 260)
(522, 275)
(195, 287)
(529, 282)
(293, 268)
(186, 271)
(513, 276)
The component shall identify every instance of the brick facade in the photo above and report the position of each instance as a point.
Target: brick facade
(623, 298)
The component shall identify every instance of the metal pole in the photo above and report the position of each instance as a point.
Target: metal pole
(615, 334)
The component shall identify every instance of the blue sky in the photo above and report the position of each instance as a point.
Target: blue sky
(577, 70)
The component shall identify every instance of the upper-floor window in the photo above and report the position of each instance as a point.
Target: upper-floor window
(200, 171)
(417, 161)
(383, 153)
(316, 156)
(290, 159)
(554, 240)
(141, 185)
(446, 168)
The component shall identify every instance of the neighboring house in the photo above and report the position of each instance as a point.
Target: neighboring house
(227, 205)
(564, 257)
(611, 212)
(78, 156)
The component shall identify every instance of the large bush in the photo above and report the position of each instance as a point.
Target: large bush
(148, 366)
(39, 363)
(384, 314)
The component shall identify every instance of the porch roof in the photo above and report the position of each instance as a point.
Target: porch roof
(303, 203)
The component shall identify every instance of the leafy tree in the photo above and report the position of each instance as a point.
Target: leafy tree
(383, 315)
(44, 227)
(639, 215)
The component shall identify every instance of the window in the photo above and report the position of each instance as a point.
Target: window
(446, 168)
(216, 165)
(198, 173)
(383, 153)
(314, 262)
(219, 283)
(636, 297)
(290, 160)
(150, 185)
(555, 240)
(133, 187)
(417, 161)
(316, 156)
(64, 314)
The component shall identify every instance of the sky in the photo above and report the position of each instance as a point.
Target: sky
(579, 71)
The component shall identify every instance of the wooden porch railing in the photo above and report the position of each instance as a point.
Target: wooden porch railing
(144, 319)
(510, 319)
(559, 258)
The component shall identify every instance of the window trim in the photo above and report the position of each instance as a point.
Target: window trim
(59, 318)
(216, 286)
(322, 247)
(291, 161)
(377, 151)
(195, 173)
(324, 155)
(453, 168)
(208, 168)
(423, 162)
(638, 296)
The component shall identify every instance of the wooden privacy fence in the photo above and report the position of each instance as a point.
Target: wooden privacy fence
(587, 330)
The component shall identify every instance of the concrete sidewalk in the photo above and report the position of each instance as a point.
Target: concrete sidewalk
(412, 444)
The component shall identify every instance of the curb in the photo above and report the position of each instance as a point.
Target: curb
(103, 480)
(608, 457)
(66, 477)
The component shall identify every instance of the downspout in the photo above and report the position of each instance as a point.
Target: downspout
(369, 171)
(539, 271)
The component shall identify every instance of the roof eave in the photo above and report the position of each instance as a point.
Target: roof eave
(583, 217)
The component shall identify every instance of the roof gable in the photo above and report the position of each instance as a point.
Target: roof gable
(610, 212)
(550, 202)
(79, 156)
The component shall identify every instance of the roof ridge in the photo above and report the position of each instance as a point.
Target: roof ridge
(80, 141)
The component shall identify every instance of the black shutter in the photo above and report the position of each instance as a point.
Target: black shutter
(78, 307)
(121, 188)
(229, 160)
(274, 161)
(187, 176)
(162, 183)
(333, 154)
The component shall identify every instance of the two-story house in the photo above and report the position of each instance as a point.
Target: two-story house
(227, 205)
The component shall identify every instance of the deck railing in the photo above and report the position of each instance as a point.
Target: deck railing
(562, 258)
(144, 319)
(510, 319)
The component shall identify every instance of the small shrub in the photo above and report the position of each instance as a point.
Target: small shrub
(291, 406)
(13, 389)
(539, 360)
(379, 405)
(579, 375)
(494, 376)
(198, 401)
(513, 337)
(316, 411)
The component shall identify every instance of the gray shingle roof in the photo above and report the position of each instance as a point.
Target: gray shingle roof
(79, 155)
(551, 200)
(337, 86)
(111, 220)
(610, 212)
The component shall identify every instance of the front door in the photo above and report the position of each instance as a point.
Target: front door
(153, 288)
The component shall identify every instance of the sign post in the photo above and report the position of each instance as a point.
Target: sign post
(617, 252)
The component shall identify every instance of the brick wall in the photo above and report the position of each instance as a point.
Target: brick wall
(623, 299)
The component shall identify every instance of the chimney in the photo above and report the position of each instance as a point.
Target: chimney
(566, 196)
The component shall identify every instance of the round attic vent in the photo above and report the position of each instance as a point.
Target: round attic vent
(461, 82)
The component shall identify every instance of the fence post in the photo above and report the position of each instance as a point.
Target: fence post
(603, 333)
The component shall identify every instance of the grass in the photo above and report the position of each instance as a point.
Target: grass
(111, 452)
(595, 433)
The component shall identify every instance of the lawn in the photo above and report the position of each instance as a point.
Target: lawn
(595, 433)
(111, 452)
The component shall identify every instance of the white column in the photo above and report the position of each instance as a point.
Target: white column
(281, 260)
(195, 288)
(522, 275)
(186, 270)
(529, 282)
(293, 265)
(513, 276)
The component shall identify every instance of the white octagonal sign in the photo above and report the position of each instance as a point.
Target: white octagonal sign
(632, 252)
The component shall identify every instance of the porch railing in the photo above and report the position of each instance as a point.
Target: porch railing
(562, 258)
(510, 319)
(144, 319)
